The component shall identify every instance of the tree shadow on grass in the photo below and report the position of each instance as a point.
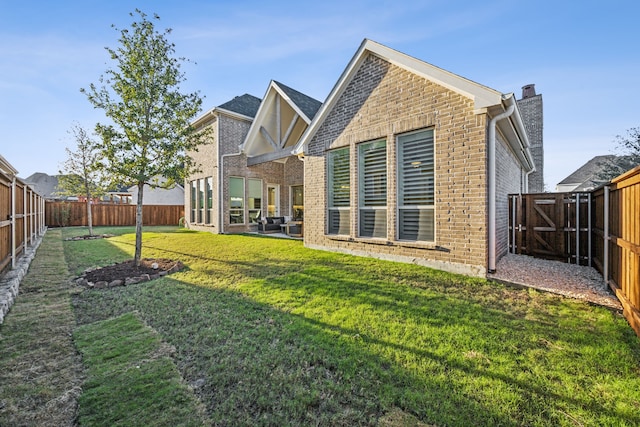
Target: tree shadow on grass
(254, 362)
(297, 342)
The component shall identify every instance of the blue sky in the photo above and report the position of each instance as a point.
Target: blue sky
(582, 56)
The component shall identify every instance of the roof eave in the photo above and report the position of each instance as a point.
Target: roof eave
(482, 96)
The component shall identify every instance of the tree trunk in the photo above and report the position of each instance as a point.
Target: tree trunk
(89, 217)
(138, 253)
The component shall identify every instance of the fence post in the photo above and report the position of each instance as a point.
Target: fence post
(589, 228)
(24, 217)
(605, 256)
(513, 224)
(577, 228)
(13, 223)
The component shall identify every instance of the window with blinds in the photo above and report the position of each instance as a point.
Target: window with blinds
(372, 189)
(194, 200)
(416, 186)
(339, 190)
(209, 200)
(201, 207)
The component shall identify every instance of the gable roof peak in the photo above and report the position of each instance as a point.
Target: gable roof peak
(482, 96)
(308, 105)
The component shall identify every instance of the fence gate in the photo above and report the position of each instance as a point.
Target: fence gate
(551, 226)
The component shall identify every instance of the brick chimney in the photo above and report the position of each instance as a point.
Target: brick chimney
(528, 91)
(530, 107)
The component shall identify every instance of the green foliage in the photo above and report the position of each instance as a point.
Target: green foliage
(628, 148)
(151, 134)
(151, 131)
(61, 215)
(81, 173)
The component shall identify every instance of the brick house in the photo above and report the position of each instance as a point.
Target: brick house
(409, 162)
(248, 171)
(403, 161)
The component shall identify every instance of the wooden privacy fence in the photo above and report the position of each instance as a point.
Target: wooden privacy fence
(554, 226)
(62, 214)
(21, 217)
(599, 228)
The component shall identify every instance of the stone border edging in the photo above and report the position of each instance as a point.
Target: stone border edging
(10, 282)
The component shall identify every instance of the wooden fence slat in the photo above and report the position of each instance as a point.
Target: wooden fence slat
(623, 242)
(59, 214)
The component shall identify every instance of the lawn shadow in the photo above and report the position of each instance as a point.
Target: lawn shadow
(291, 340)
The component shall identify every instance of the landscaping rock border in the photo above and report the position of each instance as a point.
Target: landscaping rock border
(89, 237)
(10, 282)
(130, 280)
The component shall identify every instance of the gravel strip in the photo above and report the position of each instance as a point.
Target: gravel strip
(570, 280)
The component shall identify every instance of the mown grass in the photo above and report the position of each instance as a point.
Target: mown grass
(40, 372)
(268, 332)
(132, 379)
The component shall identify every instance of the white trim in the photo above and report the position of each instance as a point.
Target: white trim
(270, 96)
(481, 95)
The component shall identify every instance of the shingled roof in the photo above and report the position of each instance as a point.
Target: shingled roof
(308, 105)
(246, 104)
(587, 171)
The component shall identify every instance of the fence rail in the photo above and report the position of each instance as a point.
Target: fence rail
(600, 229)
(617, 246)
(61, 214)
(21, 216)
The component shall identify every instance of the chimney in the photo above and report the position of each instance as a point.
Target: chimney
(528, 91)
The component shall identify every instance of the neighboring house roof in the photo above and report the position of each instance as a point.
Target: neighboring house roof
(246, 104)
(43, 184)
(243, 107)
(485, 99)
(281, 120)
(590, 175)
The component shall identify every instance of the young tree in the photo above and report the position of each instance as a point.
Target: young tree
(628, 157)
(629, 145)
(81, 173)
(151, 131)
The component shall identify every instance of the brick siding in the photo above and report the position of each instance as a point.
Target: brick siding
(531, 112)
(383, 101)
(232, 133)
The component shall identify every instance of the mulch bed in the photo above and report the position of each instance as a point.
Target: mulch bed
(89, 237)
(127, 273)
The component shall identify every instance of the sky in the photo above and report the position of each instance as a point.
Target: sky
(583, 57)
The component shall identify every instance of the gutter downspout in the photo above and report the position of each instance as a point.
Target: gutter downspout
(491, 166)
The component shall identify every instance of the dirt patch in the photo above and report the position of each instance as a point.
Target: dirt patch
(126, 273)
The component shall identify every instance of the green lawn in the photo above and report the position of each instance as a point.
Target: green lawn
(267, 332)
